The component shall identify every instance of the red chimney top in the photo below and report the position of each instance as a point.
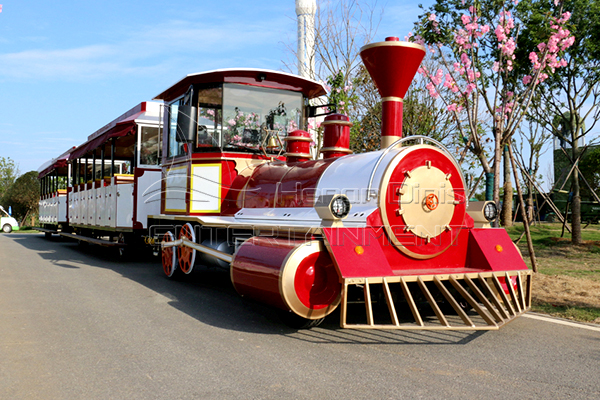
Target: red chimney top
(392, 65)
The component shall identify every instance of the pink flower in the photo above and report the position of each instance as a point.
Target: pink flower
(465, 19)
(464, 58)
(470, 88)
(527, 79)
(500, 33)
(431, 17)
(432, 92)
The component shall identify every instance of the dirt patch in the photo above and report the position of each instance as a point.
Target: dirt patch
(567, 291)
(568, 282)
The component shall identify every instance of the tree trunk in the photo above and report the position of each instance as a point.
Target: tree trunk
(530, 208)
(507, 202)
(497, 158)
(576, 203)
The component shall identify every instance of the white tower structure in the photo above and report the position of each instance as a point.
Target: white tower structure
(305, 11)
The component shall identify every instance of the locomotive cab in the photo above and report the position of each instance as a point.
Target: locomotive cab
(219, 126)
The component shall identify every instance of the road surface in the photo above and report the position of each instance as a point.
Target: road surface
(77, 323)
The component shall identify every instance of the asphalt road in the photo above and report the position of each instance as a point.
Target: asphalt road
(77, 323)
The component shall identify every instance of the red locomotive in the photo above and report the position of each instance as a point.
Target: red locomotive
(388, 236)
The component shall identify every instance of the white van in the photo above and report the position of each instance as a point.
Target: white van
(7, 223)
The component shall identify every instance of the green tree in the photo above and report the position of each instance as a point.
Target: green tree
(8, 173)
(569, 103)
(480, 83)
(23, 196)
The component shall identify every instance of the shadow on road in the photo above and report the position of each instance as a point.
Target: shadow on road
(208, 296)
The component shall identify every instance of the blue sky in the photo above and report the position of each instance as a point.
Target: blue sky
(69, 67)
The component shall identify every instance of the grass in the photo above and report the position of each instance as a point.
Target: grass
(583, 314)
(568, 283)
(26, 229)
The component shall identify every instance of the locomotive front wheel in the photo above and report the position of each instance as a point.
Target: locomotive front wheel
(169, 256)
(186, 255)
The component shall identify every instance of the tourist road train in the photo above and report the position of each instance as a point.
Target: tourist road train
(220, 174)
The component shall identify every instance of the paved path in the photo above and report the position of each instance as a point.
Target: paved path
(76, 323)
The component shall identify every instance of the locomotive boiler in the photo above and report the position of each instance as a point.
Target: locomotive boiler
(388, 237)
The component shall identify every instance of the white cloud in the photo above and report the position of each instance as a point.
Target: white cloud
(146, 51)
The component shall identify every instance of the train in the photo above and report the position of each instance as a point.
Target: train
(219, 173)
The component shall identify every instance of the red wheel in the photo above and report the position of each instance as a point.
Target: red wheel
(186, 255)
(169, 257)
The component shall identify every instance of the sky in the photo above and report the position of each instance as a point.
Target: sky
(69, 67)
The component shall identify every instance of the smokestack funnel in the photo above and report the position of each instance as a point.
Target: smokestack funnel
(392, 65)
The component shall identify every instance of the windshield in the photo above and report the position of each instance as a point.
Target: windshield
(236, 117)
(252, 115)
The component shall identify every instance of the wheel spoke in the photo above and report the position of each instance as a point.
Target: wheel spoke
(186, 255)
(169, 261)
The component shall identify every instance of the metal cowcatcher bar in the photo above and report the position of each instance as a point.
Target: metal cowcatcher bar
(469, 301)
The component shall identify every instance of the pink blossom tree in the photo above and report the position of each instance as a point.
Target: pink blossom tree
(482, 90)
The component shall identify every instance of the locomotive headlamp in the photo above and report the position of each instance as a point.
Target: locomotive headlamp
(340, 207)
(482, 212)
(333, 207)
(490, 211)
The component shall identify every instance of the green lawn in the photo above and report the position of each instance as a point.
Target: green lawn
(568, 284)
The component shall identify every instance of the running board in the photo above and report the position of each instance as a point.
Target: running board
(101, 242)
(46, 230)
(470, 301)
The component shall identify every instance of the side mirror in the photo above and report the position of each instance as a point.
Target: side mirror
(187, 123)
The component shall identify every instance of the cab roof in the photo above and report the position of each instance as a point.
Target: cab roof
(246, 76)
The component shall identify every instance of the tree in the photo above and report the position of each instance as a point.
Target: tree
(529, 150)
(569, 104)
(482, 90)
(8, 173)
(23, 195)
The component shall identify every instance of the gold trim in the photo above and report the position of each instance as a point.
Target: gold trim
(298, 138)
(387, 141)
(287, 276)
(220, 190)
(336, 149)
(337, 122)
(393, 43)
(393, 98)
(303, 155)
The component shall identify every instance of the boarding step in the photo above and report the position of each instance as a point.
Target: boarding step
(468, 301)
